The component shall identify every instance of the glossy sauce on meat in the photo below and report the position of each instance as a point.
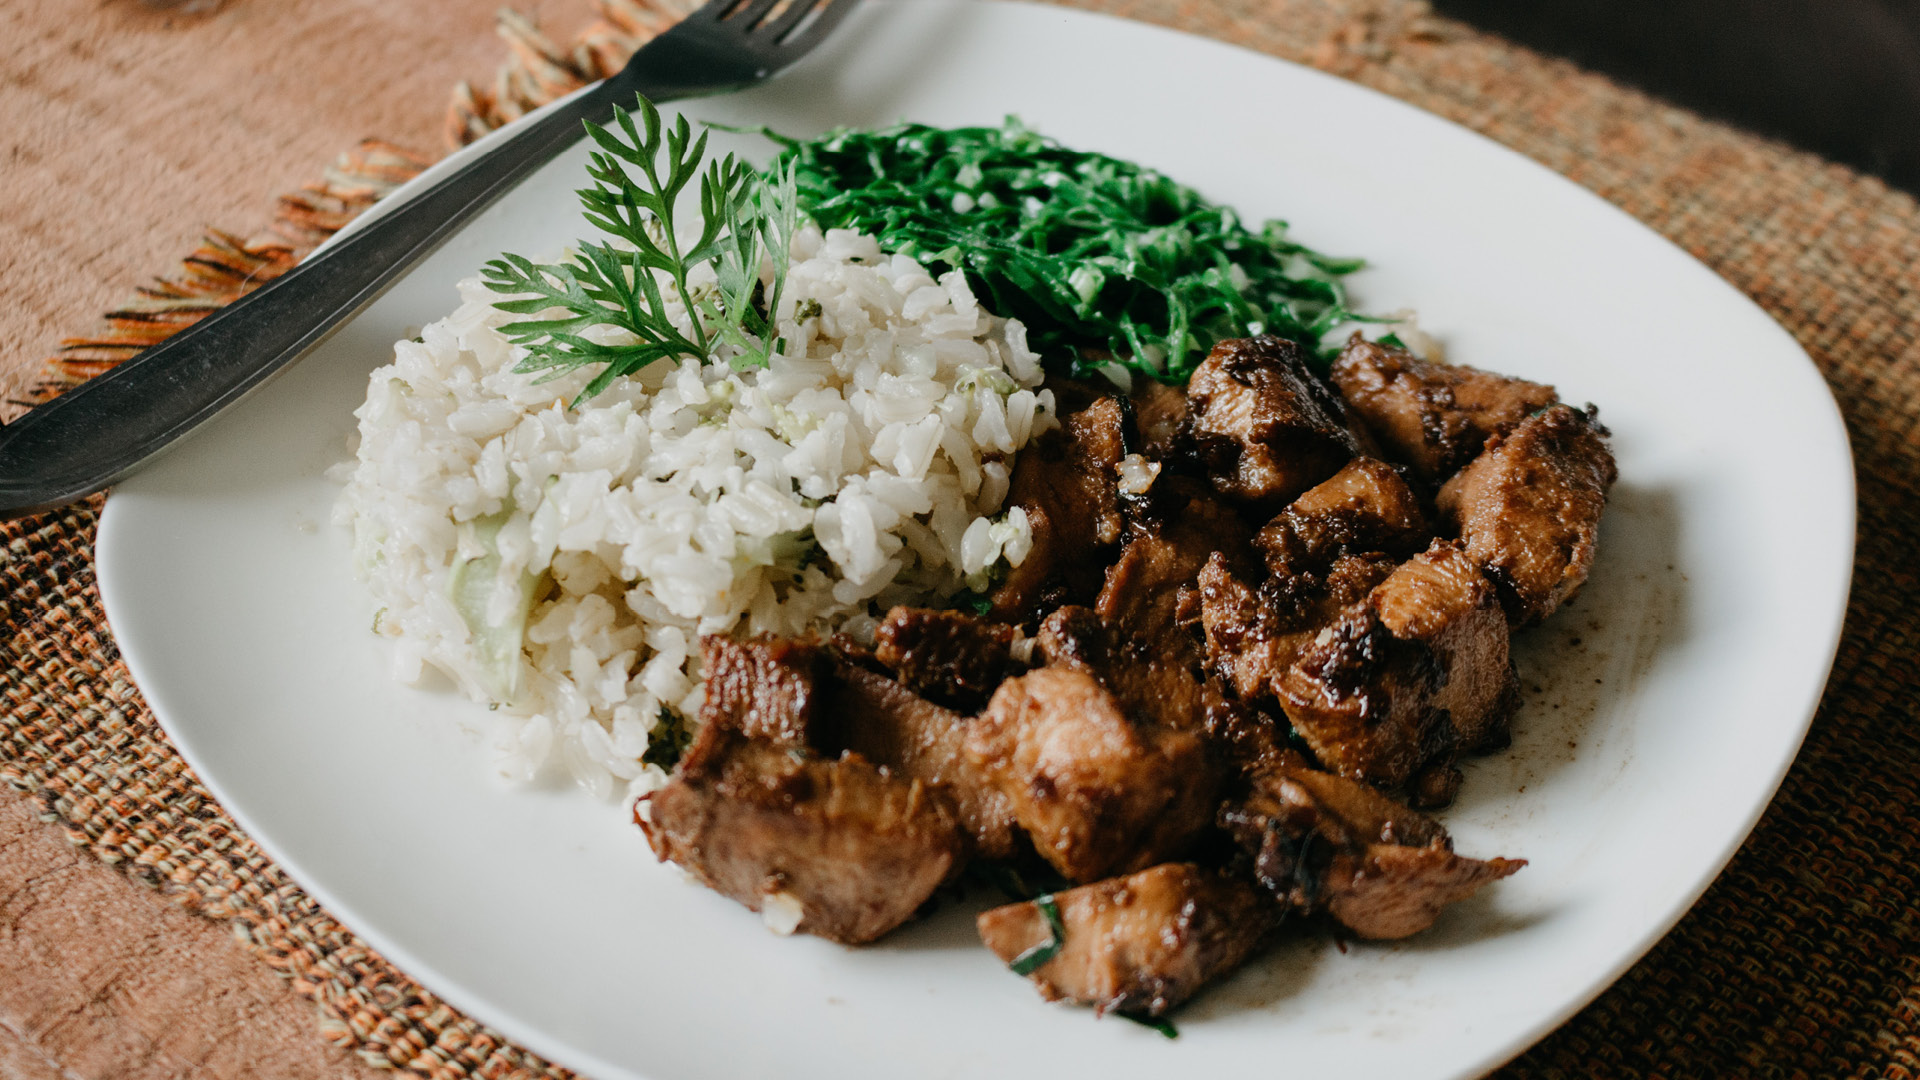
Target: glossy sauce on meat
(1528, 509)
(1210, 698)
(1434, 417)
(1141, 943)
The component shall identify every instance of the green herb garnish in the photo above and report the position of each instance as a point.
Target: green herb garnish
(1157, 1023)
(1028, 962)
(668, 741)
(1090, 252)
(970, 601)
(744, 221)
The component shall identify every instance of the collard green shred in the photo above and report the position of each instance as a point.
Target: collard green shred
(1157, 1023)
(668, 741)
(969, 601)
(1030, 961)
(1096, 255)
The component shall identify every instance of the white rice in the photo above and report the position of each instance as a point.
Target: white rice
(562, 563)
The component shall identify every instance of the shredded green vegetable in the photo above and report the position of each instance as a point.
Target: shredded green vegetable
(1099, 257)
(1160, 1024)
(1033, 959)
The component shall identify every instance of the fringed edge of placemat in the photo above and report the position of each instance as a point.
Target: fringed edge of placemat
(80, 741)
(226, 266)
(118, 789)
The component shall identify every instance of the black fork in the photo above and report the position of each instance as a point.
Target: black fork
(95, 434)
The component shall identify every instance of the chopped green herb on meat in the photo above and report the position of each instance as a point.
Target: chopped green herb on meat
(1031, 961)
(668, 740)
(1158, 1023)
(1096, 255)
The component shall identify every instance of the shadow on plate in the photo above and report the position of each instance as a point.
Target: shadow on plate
(1586, 664)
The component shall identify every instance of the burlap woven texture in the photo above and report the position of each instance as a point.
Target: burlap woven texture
(1803, 960)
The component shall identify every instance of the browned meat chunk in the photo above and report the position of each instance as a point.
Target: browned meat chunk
(1142, 943)
(1162, 689)
(1323, 842)
(1440, 599)
(1387, 689)
(1365, 507)
(1148, 615)
(1065, 483)
(1247, 642)
(1255, 633)
(1432, 416)
(1139, 641)
(1155, 689)
(1292, 818)
(891, 726)
(1390, 892)
(766, 688)
(1173, 537)
(1529, 509)
(1352, 814)
(857, 849)
(1265, 426)
(1161, 416)
(1141, 600)
(1096, 792)
(948, 657)
(1326, 550)
(1363, 700)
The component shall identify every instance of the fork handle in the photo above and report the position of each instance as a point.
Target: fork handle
(96, 433)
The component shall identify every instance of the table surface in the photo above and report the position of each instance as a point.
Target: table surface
(135, 125)
(1837, 77)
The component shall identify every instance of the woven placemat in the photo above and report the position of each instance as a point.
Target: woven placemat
(1803, 960)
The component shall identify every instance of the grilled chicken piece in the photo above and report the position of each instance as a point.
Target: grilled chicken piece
(1096, 792)
(1141, 600)
(1363, 700)
(1065, 482)
(1141, 639)
(1136, 640)
(1390, 892)
(912, 737)
(1326, 550)
(1528, 509)
(1365, 507)
(764, 688)
(1392, 687)
(857, 849)
(1440, 599)
(1292, 818)
(1142, 943)
(1266, 427)
(948, 657)
(1153, 689)
(1255, 633)
(1434, 417)
(1164, 690)
(1325, 843)
(1161, 416)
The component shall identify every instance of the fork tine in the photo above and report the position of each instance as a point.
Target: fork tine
(780, 26)
(809, 34)
(747, 16)
(712, 11)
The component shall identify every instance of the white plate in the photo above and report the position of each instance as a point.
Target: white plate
(1662, 709)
